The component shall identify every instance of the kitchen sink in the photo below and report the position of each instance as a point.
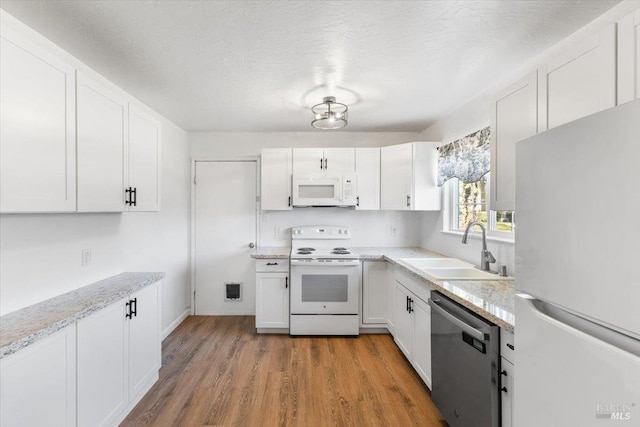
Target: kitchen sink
(451, 269)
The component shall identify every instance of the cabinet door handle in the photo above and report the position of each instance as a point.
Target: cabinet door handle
(272, 263)
(325, 164)
(511, 346)
(410, 305)
(407, 308)
(504, 389)
(128, 196)
(320, 162)
(289, 201)
(134, 307)
(286, 282)
(503, 373)
(408, 201)
(127, 309)
(357, 200)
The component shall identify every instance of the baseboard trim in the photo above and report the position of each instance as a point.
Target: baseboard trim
(175, 323)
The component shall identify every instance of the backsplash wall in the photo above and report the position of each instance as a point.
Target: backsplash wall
(369, 228)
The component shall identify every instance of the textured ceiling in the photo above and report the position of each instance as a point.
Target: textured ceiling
(260, 65)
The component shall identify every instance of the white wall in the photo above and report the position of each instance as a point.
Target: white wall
(40, 254)
(473, 116)
(467, 119)
(373, 228)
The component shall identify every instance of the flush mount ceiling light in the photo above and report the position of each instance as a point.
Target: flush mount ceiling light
(330, 114)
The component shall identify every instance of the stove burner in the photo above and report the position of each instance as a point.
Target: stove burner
(340, 252)
(303, 253)
(306, 249)
(339, 249)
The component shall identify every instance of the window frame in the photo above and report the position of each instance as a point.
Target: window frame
(450, 215)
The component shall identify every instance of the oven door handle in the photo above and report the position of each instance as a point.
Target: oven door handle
(475, 333)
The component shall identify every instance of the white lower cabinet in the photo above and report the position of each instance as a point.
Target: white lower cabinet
(37, 384)
(391, 295)
(145, 351)
(507, 370)
(507, 380)
(375, 279)
(412, 329)
(118, 357)
(272, 295)
(102, 366)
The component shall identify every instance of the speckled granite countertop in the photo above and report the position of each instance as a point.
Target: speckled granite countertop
(271, 252)
(30, 324)
(491, 299)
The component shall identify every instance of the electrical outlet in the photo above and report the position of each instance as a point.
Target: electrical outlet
(86, 257)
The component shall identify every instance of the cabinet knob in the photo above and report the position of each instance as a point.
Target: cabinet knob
(251, 245)
(504, 389)
(503, 373)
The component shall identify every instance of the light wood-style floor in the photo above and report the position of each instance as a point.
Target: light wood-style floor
(216, 371)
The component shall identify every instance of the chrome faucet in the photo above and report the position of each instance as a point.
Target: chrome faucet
(486, 257)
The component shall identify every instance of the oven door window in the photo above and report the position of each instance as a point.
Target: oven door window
(325, 288)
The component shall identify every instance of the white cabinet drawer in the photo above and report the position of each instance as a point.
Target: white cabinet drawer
(507, 349)
(266, 265)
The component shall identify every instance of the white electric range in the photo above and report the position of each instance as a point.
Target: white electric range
(325, 282)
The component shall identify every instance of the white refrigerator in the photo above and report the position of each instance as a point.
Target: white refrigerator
(577, 332)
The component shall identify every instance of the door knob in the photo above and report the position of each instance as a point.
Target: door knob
(251, 245)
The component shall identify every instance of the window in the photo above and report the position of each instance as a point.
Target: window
(468, 203)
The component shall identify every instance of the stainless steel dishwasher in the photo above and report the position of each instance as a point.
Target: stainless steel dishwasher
(465, 363)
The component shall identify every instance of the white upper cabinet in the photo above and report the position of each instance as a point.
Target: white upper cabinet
(275, 179)
(323, 160)
(368, 178)
(513, 118)
(629, 57)
(144, 161)
(396, 177)
(102, 147)
(37, 128)
(339, 160)
(578, 82)
(408, 177)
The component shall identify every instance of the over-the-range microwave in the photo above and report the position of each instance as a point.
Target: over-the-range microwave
(324, 190)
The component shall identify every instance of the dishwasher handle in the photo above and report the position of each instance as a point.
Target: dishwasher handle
(475, 333)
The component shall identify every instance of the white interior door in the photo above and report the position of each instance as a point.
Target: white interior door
(225, 225)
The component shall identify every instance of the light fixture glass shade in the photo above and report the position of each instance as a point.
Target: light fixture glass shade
(329, 114)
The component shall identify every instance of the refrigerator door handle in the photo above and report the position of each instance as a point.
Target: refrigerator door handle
(574, 323)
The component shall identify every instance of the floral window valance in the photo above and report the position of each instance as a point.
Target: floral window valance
(467, 159)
